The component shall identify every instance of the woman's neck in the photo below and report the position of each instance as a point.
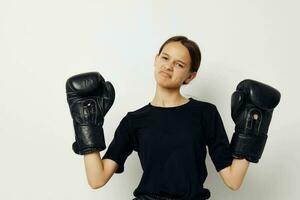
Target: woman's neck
(168, 98)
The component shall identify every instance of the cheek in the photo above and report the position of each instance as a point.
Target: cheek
(179, 77)
(155, 70)
(158, 64)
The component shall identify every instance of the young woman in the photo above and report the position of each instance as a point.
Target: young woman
(170, 135)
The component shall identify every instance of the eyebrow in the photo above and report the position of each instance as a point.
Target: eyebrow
(177, 60)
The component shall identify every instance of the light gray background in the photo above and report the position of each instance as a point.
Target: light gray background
(42, 43)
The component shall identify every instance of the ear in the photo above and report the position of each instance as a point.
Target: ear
(190, 77)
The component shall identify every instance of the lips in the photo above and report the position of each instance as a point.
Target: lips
(165, 73)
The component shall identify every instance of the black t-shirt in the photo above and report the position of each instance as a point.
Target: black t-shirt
(171, 145)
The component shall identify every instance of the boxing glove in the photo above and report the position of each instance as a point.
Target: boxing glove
(252, 106)
(89, 97)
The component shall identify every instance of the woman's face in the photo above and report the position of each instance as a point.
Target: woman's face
(172, 66)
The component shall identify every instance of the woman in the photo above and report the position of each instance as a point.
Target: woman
(170, 135)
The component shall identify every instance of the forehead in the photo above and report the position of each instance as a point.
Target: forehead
(177, 50)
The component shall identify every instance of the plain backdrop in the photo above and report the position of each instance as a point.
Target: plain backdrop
(42, 43)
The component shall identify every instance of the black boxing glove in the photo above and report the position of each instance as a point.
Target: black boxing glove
(252, 107)
(89, 98)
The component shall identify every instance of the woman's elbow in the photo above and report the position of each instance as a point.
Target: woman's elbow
(96, 185)
(234, 187)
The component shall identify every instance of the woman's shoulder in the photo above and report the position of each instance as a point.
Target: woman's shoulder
(138, 112)
(204, 105)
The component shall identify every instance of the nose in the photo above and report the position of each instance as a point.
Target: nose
(168, 65)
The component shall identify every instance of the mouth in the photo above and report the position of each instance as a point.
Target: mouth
(165, 74)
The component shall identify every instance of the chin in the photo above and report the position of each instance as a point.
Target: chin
(166, 84)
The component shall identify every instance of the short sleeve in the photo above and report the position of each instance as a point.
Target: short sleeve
(121, 146)
(217, 141)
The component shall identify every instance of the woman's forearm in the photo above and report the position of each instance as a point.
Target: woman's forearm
(94, 169)
(238, 171)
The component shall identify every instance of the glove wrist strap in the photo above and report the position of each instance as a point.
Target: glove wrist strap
(249, 147)
(89, 139)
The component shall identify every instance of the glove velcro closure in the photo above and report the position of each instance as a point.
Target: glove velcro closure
(88, 139)
(249, 147)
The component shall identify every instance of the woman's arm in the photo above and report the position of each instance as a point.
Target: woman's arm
(233, 175)
(98, 171)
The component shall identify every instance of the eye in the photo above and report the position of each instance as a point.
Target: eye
(180, 65)
(164, 57)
